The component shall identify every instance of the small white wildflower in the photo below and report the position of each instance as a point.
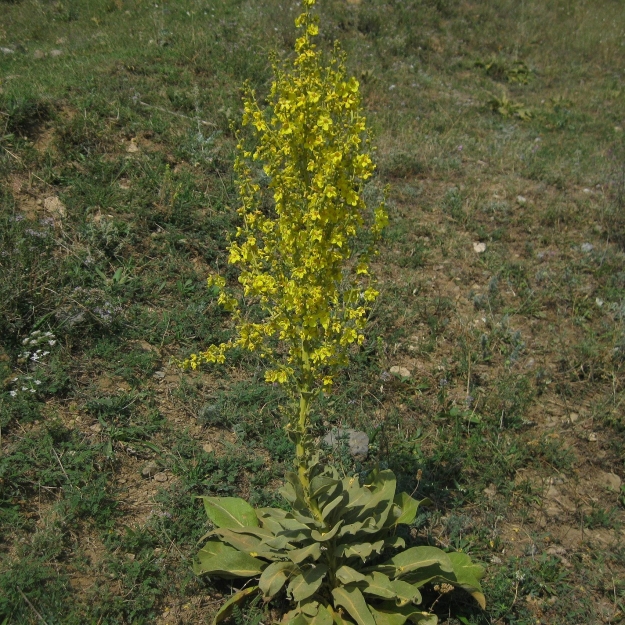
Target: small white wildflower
(48, 334)
(13, 393)
(24, 388)
(52, 343)
(45, 353)
(37, 382)
(14, 379)
(33, 342)
(34, 357)
(25, 341)
(35, 333)
(32, 390)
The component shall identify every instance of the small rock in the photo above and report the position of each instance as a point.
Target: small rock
(592, 437)
(208, 448)
(130, 556)
(150, 469)
(552, 493)
(479, 247)
(586, 191)
(490, 491)
(357, 441)
(587, 247)
(145, 346)
(556, 550)
(7, 51)
(496, 560)
(55, 53)
(402, 372)
(52, 204)
(573, 417)
(521, 200)
(552, 511)
(611, 481)
(159, 375)
(132, 148)
(96, 427)
(161, 477)
(38, 54)
(122, 480)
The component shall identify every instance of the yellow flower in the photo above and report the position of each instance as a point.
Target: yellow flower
(296, 248)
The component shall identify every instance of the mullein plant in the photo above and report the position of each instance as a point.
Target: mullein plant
(305, 261)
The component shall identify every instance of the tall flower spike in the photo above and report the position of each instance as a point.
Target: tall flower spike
(307, 235)
(300, 259)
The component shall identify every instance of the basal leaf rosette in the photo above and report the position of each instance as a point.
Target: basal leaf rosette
(348, 566)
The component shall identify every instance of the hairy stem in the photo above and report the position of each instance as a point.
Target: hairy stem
(304, 447)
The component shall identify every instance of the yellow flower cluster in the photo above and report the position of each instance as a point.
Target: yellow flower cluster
(298, 259)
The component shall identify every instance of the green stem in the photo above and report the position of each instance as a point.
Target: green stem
(303, 447)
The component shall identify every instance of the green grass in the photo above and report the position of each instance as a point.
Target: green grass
(516, 354)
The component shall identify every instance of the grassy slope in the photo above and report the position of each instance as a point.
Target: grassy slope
(513, 411)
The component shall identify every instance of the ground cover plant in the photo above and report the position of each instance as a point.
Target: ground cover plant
(490, 381)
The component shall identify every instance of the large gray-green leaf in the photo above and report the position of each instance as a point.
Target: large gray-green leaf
(322, 484)
(368, 526)
(331, 506)
(467, 575)
(347, 575)
(361, 550)
(294, 493)
(358, 496)
(414, 559)
(309, 608)
(280, 542)
(215, 547)
(408, 508)
(259, 532)
(405, 592)
(312, 551)
(387, 618)
(284, 519)
(339, 620)
(230, 512)
(323, 617)
(395, 542)
(242, 542)
(307, 583)
(352, 600)
(274, 577)
(226, 609)
(389, 614)
(379, 585)
(227, 563)
(325, 536)
(463, 564)
(377, 502)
